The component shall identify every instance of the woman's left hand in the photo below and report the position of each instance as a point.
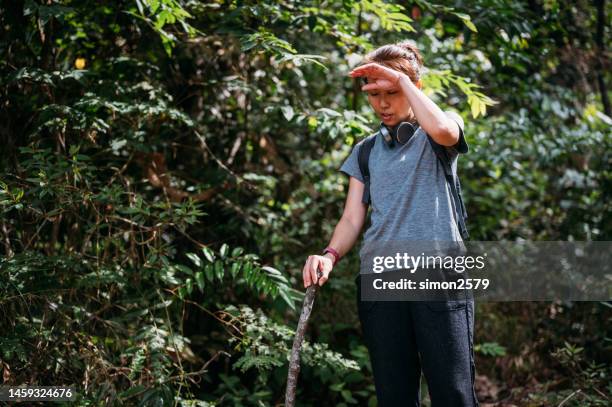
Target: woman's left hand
(379, 76)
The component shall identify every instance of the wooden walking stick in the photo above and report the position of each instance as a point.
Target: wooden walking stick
(294, 360)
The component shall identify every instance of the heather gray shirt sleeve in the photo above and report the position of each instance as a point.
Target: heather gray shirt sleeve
(351, 165)
(461, 147)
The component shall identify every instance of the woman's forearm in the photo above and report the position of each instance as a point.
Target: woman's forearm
(345, 235)
(430, 117)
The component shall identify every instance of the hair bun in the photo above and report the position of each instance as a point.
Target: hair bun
(403, 56)
(412, 51)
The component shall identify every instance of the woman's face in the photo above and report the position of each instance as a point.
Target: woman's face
(391, 105)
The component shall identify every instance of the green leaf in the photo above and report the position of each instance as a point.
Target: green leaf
(490, 349)
(470, 25)
(337, 386)
(272, 270)
(210, 256)
(346, 395)
(184, 268)
(247, 269)
(209, 272)
(219, 269)
(467, 21)
(237, 251)
(223, 251)
(286, 298)
(199, 277)
(288, 112)
(474, 106)
(235, 269)
(195, 259)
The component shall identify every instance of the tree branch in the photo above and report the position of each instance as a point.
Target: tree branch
(294, 361)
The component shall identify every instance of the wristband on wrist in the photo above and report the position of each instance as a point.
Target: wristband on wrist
(333, 253)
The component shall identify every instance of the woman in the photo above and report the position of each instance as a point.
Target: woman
(411, 201)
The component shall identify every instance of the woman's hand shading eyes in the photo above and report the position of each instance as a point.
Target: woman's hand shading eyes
(379, 77)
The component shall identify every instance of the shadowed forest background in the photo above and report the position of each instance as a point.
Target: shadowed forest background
(168, 165)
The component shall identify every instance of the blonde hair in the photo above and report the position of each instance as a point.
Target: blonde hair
(402, 56)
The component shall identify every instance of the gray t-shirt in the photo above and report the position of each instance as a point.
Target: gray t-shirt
(410, 198)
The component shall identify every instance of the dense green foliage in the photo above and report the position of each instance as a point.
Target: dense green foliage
(167, 165)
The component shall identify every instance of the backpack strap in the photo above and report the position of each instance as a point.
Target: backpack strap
(363, 159)
(455, 186)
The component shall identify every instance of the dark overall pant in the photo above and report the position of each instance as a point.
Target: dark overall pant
(405, 337)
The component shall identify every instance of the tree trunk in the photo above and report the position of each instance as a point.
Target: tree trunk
(601, 55)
